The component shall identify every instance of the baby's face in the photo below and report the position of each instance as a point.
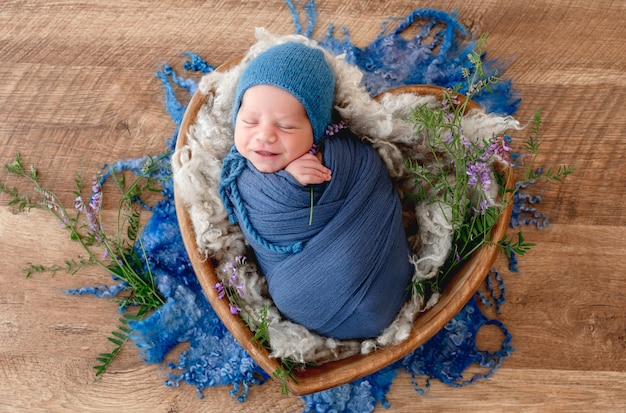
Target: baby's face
(272, 128)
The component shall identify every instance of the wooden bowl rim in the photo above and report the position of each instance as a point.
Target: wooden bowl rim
(456, 294)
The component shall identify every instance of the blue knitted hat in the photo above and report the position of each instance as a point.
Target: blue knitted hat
(300, 70)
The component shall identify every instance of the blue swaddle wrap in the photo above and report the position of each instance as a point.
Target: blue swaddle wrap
(345, 275)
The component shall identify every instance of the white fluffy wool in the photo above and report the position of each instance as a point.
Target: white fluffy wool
(197, 167)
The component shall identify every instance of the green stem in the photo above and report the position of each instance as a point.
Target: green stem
(311, 209)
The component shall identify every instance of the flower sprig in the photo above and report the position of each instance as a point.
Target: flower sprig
(119, 252)
(465, 178)
(331, 130)
(232, 288)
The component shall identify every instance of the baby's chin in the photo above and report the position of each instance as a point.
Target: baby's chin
(267, 168)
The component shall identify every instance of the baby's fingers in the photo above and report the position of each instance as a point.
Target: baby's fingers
(309, 170)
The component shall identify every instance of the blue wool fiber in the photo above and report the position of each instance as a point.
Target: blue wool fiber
(197, 64)
(174, 107)
(362, 395)
(102, 291)
(497, 293)
(453, 349)
(311, 14)
(513, 262)
(214, 357)
(391, 60)
(523, 212)
(172, 104)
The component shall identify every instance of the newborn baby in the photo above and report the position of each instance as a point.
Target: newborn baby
(314, 202)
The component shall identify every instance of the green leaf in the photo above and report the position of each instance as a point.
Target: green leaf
(120, 335)
(115, 341)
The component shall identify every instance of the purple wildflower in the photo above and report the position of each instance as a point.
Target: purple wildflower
(334, 128)
(479, 172)
(96, 197)
(471, 90)
(62, 216)
(330, 131)
(94, 224)
(230, 267)
(79, 204)
(48, 201)
(499, 146)
(91, 210)
(234, 309)
(220, 290)
(445, 103)
(482, 207)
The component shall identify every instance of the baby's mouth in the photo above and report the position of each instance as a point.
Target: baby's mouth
(265, 153)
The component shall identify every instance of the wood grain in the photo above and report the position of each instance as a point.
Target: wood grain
(78, 90)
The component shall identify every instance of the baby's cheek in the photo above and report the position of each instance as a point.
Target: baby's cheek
(240, 140)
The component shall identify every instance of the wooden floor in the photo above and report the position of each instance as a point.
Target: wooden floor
(77, 89)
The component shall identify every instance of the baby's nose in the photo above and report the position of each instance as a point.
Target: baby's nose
(267, 133)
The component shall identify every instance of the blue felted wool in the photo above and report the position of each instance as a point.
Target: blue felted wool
(300, 70)
(349, 279)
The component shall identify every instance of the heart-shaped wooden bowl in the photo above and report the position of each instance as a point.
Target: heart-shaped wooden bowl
(458, 291)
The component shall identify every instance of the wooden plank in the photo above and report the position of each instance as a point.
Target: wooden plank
(78, 90)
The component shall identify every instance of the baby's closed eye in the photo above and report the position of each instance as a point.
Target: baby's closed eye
(287, 128)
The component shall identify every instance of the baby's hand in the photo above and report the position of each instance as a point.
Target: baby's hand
(308, 169)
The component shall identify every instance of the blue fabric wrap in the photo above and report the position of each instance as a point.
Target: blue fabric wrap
(350, 278)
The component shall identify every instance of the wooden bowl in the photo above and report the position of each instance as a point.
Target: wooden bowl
(458, 291)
